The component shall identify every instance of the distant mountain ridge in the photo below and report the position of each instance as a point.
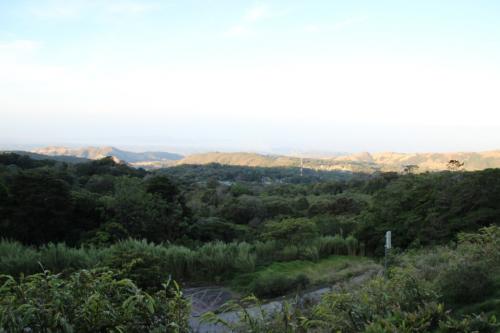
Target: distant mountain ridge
(66, 158)
(361, 162)
(94, 153)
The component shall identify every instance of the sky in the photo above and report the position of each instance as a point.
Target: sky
(295, 75)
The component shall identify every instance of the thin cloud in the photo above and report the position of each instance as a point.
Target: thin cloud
(338, 26)
(74, 9)
(257, 13)
(249, 19)
(131, 7)
(237, 30)
(349, 22)
(19, 45)
(62, 11)
(312, 28)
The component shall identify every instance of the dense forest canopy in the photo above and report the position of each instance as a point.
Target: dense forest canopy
(102, 201)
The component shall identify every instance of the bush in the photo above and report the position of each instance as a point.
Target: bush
(59, 257)
(245, 258)
(16, 259)
(148, 264)
(290, 230)
(309, 253)
(273, 285)
(466, 283)
(329, 245)
(88, 301)
(215, 260)
(266, 251)
(380, 298)
(352, 245)
(289, 252)
(180, 262)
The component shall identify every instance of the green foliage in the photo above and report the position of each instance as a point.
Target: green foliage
(61, 258)
(43, 207)
(291, 230)
(466, 282)
(265, 280)
(243, 209)
(398, 304)
(88, 301)
(470, 324)
(16, 259)
(273, 285)
(431, 208)
(337, 205)
(150, 212)
(213, 228)
(197, 222)
(329, 245)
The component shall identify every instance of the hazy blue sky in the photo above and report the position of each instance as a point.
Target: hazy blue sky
(252, 75)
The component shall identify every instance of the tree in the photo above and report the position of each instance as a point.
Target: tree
(243, 209)
(145, 214)
(162, 186)
(41, 207)
(454, 165)
(410, 169)
(291, 230)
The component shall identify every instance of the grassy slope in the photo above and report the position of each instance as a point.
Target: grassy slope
(325, 271)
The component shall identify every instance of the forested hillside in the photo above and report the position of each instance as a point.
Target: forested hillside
(247, 228)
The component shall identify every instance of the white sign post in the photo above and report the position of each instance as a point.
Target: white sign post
(388, 246)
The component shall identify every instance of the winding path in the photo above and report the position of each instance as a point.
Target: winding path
(206, 299)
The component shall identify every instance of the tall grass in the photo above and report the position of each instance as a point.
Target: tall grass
(328, 245)
(214, 261)
(266, 251)
(180, 261)
(16, 259)
(59, 257)
(246, 258)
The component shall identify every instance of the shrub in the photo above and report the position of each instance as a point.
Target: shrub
(291, 230)
(215, 259)
(180, 262)
(309, 253)
(245, 258)
(16, 259)
(266, 251)
(145, 263)
(289, 252)
(352, 311)
(273, 285)
(328, 245)
(466, 282)
(88, 301)
(59, 258)
(352, 245)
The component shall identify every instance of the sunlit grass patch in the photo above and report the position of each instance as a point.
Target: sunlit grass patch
(284, 277)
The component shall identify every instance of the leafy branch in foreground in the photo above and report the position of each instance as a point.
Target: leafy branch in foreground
(88, 301)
